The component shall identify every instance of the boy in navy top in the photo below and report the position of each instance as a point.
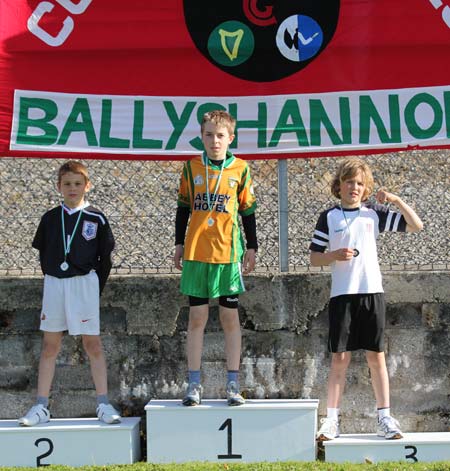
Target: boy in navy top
(345, 238)
(75, 244)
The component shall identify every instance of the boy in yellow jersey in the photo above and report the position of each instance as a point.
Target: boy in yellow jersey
(215, 188)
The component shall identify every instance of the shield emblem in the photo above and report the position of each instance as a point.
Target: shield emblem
(261, 40)
(89, 230)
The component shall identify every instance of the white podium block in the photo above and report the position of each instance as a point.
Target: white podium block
(413, 447)
(72, 442)
(260, 430)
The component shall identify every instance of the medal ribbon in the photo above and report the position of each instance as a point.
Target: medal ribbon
(206, 161)
(69, 239)
(346, 221)
(355, 251)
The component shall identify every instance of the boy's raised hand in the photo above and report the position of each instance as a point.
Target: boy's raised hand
(249, 261)
(383, 196)
(413, 222)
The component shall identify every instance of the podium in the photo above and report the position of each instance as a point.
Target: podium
(260, 430)
(71, 442)
(412, 448)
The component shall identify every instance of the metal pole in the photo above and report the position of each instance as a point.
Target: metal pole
(283, 240)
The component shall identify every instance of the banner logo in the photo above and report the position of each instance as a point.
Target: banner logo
(231, 43)
(261, 41)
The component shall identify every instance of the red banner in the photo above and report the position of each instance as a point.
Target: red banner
(116, 79)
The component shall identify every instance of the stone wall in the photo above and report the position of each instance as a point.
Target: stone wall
(284, 320)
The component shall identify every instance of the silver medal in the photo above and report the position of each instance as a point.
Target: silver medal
(64, 266)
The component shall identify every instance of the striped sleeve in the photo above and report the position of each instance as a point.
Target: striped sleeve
(183, 192)
(320, 239)
(246, 194)
(389, 221)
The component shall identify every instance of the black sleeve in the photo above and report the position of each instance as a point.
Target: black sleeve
(181, 222)
(249, 224)
(38, 240)
(388, 220)
(106, 246)
(320, 240)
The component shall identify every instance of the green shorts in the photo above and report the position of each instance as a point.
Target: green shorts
(211, 280)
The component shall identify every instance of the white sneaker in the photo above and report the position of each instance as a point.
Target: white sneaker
(193, 395)
(106, 413)
(38, 414)
(389, 428)
(234, 397)
(329, 429)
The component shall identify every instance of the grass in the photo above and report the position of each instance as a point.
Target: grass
(285, 466)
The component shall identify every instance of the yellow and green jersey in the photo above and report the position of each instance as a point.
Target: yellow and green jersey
(213, 235)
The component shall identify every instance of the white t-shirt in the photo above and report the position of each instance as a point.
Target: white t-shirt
(356, 228)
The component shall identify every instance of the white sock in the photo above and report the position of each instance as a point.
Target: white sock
(333, 413)
(384, 412)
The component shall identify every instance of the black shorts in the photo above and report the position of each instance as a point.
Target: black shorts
(357, 322)
(231, 301)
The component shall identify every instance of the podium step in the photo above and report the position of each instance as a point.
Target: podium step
(260, 430)
(71, 442)
(414, 447)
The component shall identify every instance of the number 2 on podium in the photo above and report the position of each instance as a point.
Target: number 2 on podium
(47, 453)
(229, 456)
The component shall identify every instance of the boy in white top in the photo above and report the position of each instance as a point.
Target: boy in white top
(345, 238)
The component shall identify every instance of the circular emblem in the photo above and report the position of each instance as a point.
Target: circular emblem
(261, 41)
(231, 43)
(299, 38)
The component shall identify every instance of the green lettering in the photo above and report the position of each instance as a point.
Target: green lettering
(179, 123)
(319, 117)
(290, 112)
(105, 129)
(197, 143)
(410, 116)
(260, 124)
(369, 113)
(80, 108)
(139, 142)
(447, 112)
(49, 133)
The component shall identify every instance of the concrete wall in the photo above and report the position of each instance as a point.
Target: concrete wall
(284, 320)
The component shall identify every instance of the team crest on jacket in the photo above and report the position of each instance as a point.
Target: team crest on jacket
(198, 180)
(89, 230)
(232, 182)
(261, 40)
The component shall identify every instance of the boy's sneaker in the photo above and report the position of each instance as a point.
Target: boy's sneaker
(389, 428)
(329, 430)
(193, 395)
(38, 414)
(234, 397)
(106, 413)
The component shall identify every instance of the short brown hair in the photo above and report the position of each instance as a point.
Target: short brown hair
(219, 118)
(349, 168)
(73, 167)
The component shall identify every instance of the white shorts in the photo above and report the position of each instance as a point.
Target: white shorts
(71, 304)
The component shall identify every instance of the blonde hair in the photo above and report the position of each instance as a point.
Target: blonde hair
(219, 118)
(73, 167)
(349, 168)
